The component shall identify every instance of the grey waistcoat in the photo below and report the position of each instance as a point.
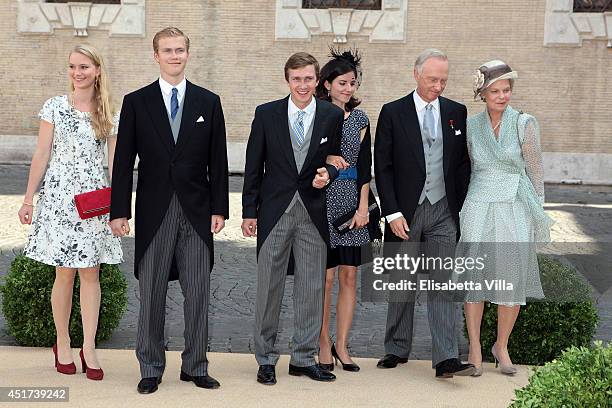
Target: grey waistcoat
(299, 154)
(434, 188)
(176, 124)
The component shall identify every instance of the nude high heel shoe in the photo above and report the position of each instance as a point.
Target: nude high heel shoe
(505, 369)
(477, 371)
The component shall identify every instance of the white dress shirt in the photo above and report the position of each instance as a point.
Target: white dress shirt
(166, 90)
(420, 105)
(309, 113)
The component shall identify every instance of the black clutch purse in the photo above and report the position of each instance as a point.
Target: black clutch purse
(342, 223)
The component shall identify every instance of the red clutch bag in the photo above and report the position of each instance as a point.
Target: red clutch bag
(93, 203)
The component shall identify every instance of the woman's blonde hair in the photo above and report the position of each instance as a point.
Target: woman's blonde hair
(104, 108)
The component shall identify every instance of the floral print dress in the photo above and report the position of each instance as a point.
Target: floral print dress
(58, 236)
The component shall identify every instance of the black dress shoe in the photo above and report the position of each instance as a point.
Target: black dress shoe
(391, 361)
(148, 385)
(346, 367)
(202, 381)
(266, 374)
(452, 366)
(314, 372)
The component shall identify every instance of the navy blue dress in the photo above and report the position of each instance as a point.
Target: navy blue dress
(343, 194)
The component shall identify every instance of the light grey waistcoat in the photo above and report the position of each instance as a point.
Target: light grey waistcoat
(299, 153)
(176, 124)
(434, 188)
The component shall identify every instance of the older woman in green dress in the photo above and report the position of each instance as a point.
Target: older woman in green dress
(503, 210)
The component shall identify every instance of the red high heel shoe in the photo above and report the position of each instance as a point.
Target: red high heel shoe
(63, 368)
(92, 373)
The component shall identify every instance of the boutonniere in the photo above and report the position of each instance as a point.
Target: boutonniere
(451, 123)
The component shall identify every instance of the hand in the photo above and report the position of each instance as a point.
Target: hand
(359, 219)
(337, 161)
(321, 179)
(249, 227)
(120, 227)
(399, 226)
(25, 214)
(217, 222)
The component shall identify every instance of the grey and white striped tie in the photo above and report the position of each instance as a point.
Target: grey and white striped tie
(298, 127)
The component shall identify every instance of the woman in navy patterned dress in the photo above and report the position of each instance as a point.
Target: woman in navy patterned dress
(348, 193)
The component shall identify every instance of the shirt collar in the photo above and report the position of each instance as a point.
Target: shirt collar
(312, 106)
(420, 104)
(166, 87)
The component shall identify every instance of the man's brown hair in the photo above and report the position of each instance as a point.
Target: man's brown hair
(301, 60)
(169, 32)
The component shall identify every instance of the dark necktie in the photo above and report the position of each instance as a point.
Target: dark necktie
(174, 106)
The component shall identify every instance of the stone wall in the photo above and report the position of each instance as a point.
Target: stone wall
(235, 52)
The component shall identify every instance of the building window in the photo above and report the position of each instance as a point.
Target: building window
(116, 17)
(379, 20)
(568, 23)
(350, 4)
(85, 1)
(592, 6)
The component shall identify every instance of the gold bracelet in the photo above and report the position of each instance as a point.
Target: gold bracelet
(28, 204)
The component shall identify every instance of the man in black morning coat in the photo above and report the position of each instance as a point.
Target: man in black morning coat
(177, 130)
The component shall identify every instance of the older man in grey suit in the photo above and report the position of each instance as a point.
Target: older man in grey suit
(422, 172)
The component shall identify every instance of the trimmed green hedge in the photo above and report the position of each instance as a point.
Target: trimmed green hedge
(581, 377)
(26, 303)
(545, 328)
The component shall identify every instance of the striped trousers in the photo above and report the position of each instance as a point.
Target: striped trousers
(432, 234)
(296, 231)
(176, 240)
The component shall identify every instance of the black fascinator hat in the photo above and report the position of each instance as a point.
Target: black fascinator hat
(352, 57)
(341, 62)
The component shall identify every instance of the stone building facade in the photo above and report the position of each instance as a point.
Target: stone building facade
(238, 49)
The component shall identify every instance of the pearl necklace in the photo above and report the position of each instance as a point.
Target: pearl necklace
(496, 126)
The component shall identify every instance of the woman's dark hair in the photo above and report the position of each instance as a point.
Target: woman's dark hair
(340, 64)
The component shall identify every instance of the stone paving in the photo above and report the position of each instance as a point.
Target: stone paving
(582, 214)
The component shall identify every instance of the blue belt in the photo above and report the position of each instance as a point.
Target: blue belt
(348, 174)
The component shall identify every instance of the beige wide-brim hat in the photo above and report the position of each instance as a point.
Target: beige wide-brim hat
(489, 73)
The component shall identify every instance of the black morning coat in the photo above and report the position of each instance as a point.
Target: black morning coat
(195, 168)
(270, 175)
(399, 158)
